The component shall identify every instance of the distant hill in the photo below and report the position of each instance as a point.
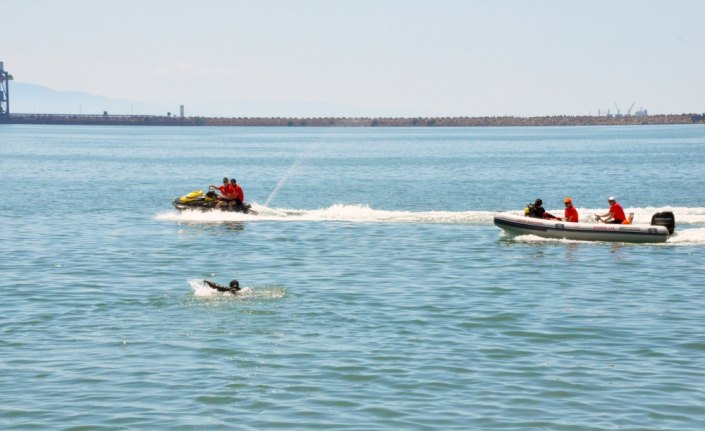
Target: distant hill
(37, 99)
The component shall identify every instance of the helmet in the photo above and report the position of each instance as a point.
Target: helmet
(538, 202)
(568, 200)
(611, 199)
(234, 284)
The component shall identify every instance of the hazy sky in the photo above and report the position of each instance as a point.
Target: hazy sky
(366, 58)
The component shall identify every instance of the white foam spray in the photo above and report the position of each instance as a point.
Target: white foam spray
(337, 212)
(202, 290)
(289, 172)
(690, 222)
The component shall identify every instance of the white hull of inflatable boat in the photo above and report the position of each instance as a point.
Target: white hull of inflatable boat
(581, 231)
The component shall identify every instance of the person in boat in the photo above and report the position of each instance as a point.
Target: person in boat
(233, 287)
(615, 215)
(536, 210)
(571, 213)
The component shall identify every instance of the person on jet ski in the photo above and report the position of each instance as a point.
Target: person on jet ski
(234, 198)
(227, 194)
(536, 210)
(225, 188)
(238, 195)
(233, 287)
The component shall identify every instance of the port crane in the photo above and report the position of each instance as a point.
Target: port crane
(5, 78)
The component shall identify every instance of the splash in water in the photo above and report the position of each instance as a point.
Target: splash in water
(292, 169)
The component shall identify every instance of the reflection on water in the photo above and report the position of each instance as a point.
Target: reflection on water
(234, 226)
(570, 249)
(231, 226)
(616, 248)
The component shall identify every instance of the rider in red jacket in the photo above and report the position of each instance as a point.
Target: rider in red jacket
(238, 196)
(615, 215)
(571, 214)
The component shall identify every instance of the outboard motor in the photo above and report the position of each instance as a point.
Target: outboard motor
(666, 219)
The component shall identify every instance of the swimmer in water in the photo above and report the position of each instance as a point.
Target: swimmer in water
(233, 288)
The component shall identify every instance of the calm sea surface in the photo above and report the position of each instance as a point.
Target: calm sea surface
(381, 296)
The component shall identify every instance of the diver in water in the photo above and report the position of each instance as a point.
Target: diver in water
(233, 288)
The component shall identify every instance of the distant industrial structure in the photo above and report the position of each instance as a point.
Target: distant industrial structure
(4, 91)
(640, 113)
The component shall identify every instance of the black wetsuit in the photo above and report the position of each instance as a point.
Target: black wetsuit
(219, 288)
(536, 211)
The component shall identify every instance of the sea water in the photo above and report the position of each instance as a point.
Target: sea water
(379, 294)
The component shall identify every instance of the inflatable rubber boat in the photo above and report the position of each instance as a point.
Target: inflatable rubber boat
(661, 228)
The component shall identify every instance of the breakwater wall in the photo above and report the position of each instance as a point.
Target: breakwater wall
(151, 120)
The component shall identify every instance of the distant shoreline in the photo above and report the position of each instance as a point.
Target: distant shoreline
(153, 120)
